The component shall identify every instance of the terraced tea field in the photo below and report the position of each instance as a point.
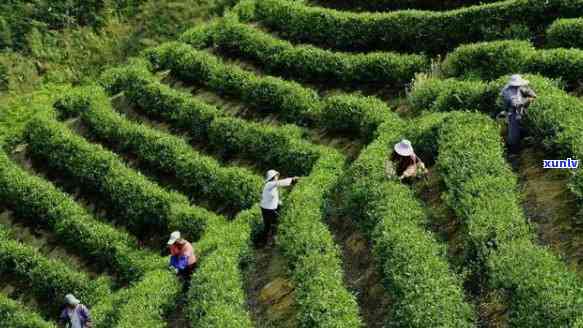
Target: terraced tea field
(180, 138)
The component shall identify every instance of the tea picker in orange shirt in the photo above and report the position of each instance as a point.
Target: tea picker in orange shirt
(183, 261)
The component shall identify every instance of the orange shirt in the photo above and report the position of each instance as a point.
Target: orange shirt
(185, 251)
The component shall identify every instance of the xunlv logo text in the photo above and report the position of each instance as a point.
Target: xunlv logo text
(560, 164)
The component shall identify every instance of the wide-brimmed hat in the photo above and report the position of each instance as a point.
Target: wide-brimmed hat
(270, 175)
(174, 237)
(517, 81)
(71, 299)
(404, 148)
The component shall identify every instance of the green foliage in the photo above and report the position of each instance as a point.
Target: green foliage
(412, 262)
(411, 30)
(200, 175)
(13, 314)
(40, 202)
(565, 33)
(490, 60)
(3, 77)
(267, 146)
(48, 279)
(312, 255)
(217, 297)
(294, 102)
(307, 62)
(386, 5)
(144, 206)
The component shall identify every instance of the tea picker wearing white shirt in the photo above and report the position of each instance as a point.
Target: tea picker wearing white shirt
(270, 202)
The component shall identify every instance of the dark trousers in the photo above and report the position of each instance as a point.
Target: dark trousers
(269, 224)
(186, 275)
(514, 131)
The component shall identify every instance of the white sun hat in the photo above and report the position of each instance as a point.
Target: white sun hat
(517, 81)
(404, 148)
(174, 237)
(71, 299)
(270, 175)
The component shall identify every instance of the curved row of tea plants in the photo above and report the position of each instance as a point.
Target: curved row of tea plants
(306, 62)
(555, 118)
(47, 279)
(266, 145)
(311, 253)
(14, 314)
(143, 205)
(198, 174)
(295, 103)
(217, 297)
(41, 203)
(427, 293)
(407, 31)
(565, 33)
(490, 60)
(386, 5)
(481, 190)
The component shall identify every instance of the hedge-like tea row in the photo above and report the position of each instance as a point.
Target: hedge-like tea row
(312, 255)
(565, 33)
(554, 118)
(42, 203)
(307, 62)
(13, 314)
(142, 205)
(48, 279)
(267, 146)
(217, 297)
(294, 102)
(147, 303)
(413, 265)
(199, 174)
(490, 60)
(385, 5)
(408, 30)
(481, 188)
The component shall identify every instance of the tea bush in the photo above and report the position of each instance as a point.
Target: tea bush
(42, 203)
(565, 33)
(13, 314)
(217, 297)
(144, 206)
(412, 262)
(386, 5)
(311, 253)
(408, 30)
(266, 145)
(201, 175)
(48, 279)
(307, 62)
(490, 60)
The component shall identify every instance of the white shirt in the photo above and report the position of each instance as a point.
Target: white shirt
(75, 318)
(270, 196)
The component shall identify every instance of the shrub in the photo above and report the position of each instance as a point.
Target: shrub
(312, 256)
(41, 203)
(565, 33)
(490, 60)
(295, 103)
(200, 175)
(266, 145)
(48, 279)
(145, 206)
(307, 62)
(411, 261)
(13, 314)
(406, 31)
(386, 5)
(217, 297)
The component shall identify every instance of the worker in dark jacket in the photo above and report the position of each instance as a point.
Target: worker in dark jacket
(517, 95)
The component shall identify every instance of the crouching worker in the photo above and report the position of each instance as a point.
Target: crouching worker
(182, 258)
(517, 96)
(403, 162)
(74, 314)
(270, 203)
